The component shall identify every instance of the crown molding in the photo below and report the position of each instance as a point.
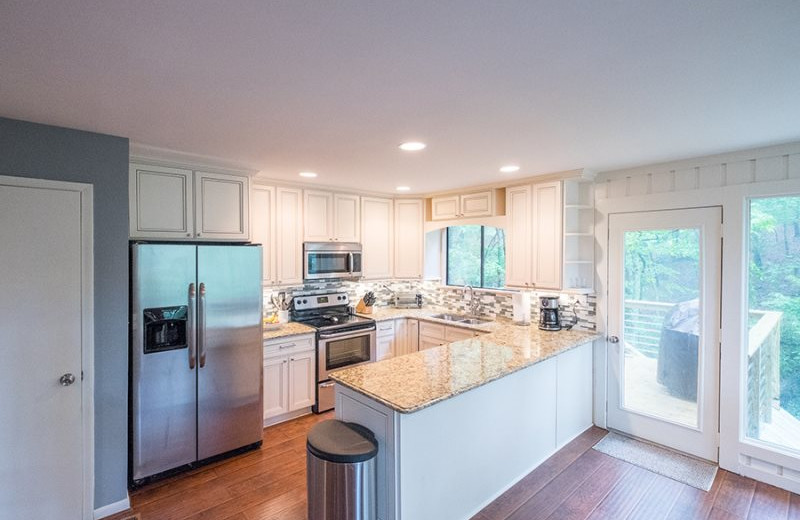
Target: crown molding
(156, 156)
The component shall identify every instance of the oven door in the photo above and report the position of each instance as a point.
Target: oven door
(340, 350)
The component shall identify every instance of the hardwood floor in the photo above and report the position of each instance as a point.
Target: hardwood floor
(575, 483)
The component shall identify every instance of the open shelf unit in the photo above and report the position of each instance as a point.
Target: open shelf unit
(578, 274)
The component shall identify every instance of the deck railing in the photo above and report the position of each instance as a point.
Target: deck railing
(763, 369)
(642, 329)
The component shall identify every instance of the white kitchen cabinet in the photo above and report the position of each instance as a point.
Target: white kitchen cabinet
(276, 386)
(426, 342)
(377, 237)
(445, 208)
(518, 236)
(409, 238)
(412, 335)
(331, 217)
(534, 235)
(317, 216)
(385, 340)
(434, 334)
(384, 348)
(262, 229)
(401, 337)
(547, 235)
(222, 209)
(346, 214)
(480, 204)
(161, 203)
(457, 334)
(288, 236)
(302, 379)
(181, 204)
(289, 376)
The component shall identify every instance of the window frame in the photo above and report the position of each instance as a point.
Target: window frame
(483, 258)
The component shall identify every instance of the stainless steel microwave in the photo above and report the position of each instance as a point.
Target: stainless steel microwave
(331, 260)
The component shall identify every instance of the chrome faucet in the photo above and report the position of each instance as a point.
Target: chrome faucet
(474, 303)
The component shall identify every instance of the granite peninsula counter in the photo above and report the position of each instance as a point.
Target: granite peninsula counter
(459, 424)
(417, 380)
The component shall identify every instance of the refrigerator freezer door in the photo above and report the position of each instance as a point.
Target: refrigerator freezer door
(230, 348)
(163, 383)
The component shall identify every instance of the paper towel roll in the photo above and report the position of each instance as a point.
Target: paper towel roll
(521, 302)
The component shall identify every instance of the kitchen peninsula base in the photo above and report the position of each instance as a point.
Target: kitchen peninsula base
(448, 460)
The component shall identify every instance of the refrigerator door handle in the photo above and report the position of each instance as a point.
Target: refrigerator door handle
(201, 343)
(191, 336)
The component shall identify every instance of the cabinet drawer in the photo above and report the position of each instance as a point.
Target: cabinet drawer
(432, 330)
(457, 334)
(288, 345)
(385, 328)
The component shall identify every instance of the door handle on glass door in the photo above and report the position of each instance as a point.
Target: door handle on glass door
(613, 339)
(191, 336)
(201, 340)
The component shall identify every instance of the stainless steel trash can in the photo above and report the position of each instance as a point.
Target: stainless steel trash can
(340, 459)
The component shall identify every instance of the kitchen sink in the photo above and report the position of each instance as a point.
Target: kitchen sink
(460, 318)
(474, 321)
(448, 317)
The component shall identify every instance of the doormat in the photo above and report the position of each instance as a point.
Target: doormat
(683, 468)
(132, 517)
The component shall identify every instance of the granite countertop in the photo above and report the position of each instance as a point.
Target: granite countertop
(291, 328)
(415, 381)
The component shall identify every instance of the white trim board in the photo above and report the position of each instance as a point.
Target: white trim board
(112, 509)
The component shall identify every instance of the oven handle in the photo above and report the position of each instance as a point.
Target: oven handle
(352, 334)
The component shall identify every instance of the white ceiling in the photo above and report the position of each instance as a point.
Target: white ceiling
(334, 87)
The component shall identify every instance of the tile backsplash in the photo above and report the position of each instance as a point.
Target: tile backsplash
(493, 303)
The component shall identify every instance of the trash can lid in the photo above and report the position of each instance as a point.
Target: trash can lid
(343, 442)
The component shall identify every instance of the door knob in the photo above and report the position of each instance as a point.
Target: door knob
(67, 379)
(613, 339)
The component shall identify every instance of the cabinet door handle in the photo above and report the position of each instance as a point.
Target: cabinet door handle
(288, 345)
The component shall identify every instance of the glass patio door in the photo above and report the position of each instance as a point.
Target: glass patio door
(663, 327)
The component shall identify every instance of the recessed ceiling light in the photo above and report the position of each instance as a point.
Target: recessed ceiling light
(403, 188)
(308, 174)
(509, 168)
(413, 146)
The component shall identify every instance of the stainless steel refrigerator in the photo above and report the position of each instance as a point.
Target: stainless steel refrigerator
(196, 353)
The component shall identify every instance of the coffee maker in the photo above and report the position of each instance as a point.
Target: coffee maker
(549, 318)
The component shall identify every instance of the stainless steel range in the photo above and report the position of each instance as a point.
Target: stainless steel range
(343, 339)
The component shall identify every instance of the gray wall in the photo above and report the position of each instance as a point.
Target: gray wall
(48, 152)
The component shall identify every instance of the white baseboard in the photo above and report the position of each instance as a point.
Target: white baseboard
(112, 509)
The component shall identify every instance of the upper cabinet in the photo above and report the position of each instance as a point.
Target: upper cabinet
(480, 204)
(409, 238)
(533, 254)
(262, 229)
(178, 204)
(331, 217)
(377, 233)
(288, 248)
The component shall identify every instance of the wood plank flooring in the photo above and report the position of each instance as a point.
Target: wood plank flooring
(575, 483)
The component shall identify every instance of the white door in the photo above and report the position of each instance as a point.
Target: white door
(46, 282)
(663, 323)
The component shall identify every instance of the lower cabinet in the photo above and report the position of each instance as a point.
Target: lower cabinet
(412, 335)
(289, 377)
(385, 335)
(434, 334)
